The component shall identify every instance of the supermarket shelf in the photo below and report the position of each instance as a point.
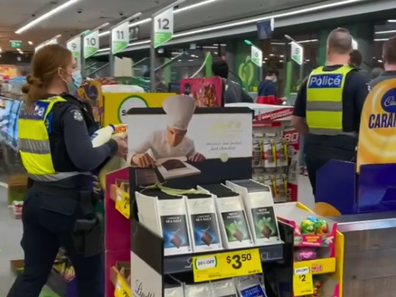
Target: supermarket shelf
(183, 263)
(318, 266)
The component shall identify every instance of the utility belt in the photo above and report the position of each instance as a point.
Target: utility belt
(87, 233)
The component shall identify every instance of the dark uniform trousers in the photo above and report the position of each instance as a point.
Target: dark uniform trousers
(320, 149)
(48, 222)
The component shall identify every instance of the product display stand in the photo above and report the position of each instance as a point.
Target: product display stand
(276, 149)
(318, 251)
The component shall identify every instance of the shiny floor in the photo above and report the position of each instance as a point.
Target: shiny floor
(11, 232)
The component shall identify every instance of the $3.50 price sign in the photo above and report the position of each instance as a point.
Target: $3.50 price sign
(302, 281)
(226, 265)
(123, 203)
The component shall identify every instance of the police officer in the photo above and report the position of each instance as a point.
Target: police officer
(328, 106)
(57, 153)
(389, 58)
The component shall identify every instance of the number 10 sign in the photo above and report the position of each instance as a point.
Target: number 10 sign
(119, 38)
(163, 27)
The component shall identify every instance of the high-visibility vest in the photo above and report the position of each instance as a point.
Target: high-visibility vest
(324, 100)
(33, 141)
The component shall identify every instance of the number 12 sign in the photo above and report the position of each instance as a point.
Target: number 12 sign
(119, 38)
(91, 44)
(163, 27)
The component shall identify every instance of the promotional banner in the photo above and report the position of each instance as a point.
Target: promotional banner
(91, 44)
(297, 53)
(377, 140)
(119, 38)
(163, 27)
(256, 56)
(92, 92)
(207, 92)
(116, 105)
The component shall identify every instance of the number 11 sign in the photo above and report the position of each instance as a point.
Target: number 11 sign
(163, 27)
(119, 38)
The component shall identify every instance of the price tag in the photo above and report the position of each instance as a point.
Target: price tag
(226, 265)
(122, 289)
(91, 44)
(123, 203)
(119, 38)
(163, 27)
(302, 281)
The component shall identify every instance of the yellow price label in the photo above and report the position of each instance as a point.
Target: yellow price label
(122, 289)
(123, 203)
(226, 265)
(302, 281)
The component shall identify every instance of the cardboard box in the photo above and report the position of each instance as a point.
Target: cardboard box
(17, 187)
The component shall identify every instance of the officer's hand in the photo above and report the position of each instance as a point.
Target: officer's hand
(122, 146)
(143, 160)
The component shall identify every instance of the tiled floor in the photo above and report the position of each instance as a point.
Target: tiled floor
(11, 232)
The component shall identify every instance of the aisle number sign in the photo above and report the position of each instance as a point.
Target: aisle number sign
(163, 27)
(226, 265)
(302, 281)
(256, 56)
(74, 45)
(119, 38)
(122, 289)
(123, 203)
(91, 44)
(297, 53)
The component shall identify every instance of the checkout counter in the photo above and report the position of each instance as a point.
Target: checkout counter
(361, 198)
(369, 254)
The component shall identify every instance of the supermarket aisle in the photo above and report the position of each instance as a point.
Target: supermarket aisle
(11, 231)
(10, 236)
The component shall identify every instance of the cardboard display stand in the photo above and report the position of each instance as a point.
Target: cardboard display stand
(367, 186)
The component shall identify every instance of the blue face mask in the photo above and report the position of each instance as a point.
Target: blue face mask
(77, 80)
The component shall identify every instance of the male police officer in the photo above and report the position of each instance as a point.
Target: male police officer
(389, 58)
(328, 106)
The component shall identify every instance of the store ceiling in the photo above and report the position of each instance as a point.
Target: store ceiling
(88, 14)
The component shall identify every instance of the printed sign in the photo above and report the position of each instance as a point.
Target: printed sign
(119, 38)
(256, 56)
(302, 281)
(378, 126)
(226, 265)
(297, 53)
(74, 45)
(163, 27)
(91, 44)
(116, 105)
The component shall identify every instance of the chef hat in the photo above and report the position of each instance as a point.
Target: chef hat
(180, 109)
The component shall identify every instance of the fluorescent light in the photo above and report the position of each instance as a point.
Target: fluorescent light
(46, 16)
(31, 43)
(392, 21)
(380, 61)
(381, 39)
(386, 32)
(176, 11)
(250, 21)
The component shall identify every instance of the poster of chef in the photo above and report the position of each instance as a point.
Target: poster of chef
(182, 145)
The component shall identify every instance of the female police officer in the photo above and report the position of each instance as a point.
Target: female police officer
(58, 156)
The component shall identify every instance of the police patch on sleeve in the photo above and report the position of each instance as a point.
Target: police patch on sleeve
(77, 115)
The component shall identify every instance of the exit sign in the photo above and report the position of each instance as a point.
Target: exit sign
(16, 43)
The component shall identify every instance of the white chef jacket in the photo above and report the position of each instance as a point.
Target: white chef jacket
(159, 147)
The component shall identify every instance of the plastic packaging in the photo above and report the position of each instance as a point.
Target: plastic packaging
(304, 254)
(102, 136)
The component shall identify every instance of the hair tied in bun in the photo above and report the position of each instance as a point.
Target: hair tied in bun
(32, 80)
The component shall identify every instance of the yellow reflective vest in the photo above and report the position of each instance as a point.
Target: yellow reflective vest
(324, 100)
(33, 141)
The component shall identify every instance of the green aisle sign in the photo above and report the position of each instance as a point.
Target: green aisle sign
(91, 44)
(163, 27)
(119, 38)
(297, 53)
(74, 46)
